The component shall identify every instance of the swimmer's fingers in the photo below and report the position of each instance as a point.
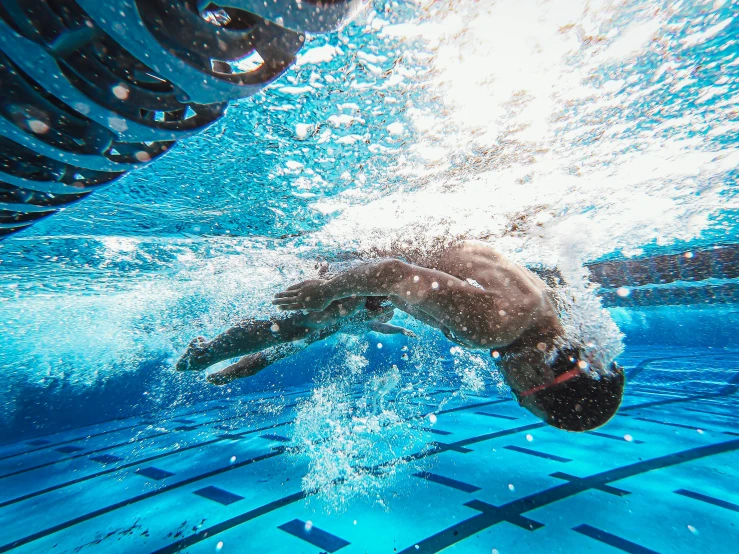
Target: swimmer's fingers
(287, 294)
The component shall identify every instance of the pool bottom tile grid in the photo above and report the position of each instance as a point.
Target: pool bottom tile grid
(660, 477)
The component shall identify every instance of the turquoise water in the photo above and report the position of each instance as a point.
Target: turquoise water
(567, 134)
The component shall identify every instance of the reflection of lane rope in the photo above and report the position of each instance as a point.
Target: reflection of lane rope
(93, 89)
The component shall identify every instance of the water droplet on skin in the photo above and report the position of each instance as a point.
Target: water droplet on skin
(434, 285)
(38, 127)
(142, 156)
(121, 92)
(416, 278)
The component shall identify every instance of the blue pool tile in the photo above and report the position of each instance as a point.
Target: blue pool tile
(446, 481)
(612, 540)
(219, 495)
(106, 459)
(537, 453)
(69, 449)
(317, 537)
(154, 473)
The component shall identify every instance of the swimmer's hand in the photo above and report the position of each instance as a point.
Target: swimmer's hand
(311, 295)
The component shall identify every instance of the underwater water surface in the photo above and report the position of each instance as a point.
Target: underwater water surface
(568, 134)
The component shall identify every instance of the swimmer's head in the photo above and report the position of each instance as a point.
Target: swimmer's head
(570, 398)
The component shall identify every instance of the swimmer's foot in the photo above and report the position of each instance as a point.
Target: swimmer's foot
(195, 357)
(247, 366)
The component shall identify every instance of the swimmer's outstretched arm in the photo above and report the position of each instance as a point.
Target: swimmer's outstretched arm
(465, 310)
(388, 329)
(252, 336)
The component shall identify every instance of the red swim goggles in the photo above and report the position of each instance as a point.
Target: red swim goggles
(561, 378)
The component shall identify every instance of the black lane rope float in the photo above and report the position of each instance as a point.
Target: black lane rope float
(91, 89)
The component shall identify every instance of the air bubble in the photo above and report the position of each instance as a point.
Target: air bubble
(623, 292)
(432, 418)
(38, 127)
(628, 438)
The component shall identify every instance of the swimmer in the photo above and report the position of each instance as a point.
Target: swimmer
(479, 300)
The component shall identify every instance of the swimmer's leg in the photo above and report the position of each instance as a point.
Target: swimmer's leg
(250, 336)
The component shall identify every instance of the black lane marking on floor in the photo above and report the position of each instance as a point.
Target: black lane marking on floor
(436, 431)
(106, 459)
(537, 453)
(112, 507)
(38, 442)
(129, 464)
(454, 447)
(111, 447)
(315, 536)
(709, 499)
(490, 414)
(603, 488)
(154, 473)
(505, 515)
(709, 412)
(273, 437)
(69, 449)
(476, 524)
(218, 495)
(230, 523)
(612, 540)
(446, 481)
(669, 424)
(87, 437)
(614, 437)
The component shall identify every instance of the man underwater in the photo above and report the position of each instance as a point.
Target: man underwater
(474, 295)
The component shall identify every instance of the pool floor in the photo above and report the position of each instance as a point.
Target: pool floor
(660, 477)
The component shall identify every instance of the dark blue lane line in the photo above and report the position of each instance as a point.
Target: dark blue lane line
(315, 536)
(446, 481)
(710, 412)
(709, 499)
(476, 524)
(505, 515)
(603, 488)
(612, 540)
(614, 437)
(82, 455)
(145, 496)
(86, 437)
(490, 414)
(669, 424)
(273, 437)
(435, 431)
(230, 523)
(130, 464)
(537, 453)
